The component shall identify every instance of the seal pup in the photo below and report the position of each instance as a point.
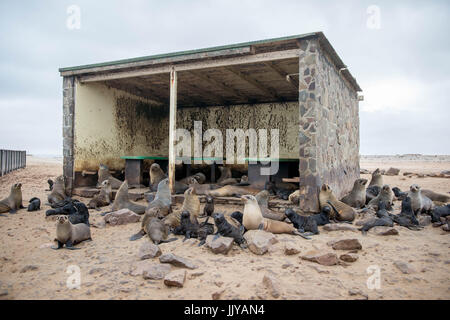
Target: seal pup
(406, 218)
(305, 225)
(50, 185)
(122, 201)
(208, 209)
(225, 229)
(263, 200)
(385, 195)
(163, 198)
(372, 192)
(156, 175)
(157, 231)
(193, 229)
(383, 219)
(34, 204)
(58, 193)
(76, 211)
(434, 196)
(419, 202)
(70, 234)
(200, 177)
(237, 215)
(341, 211)
(103, 198)
(253, 219)
(399, 194)
(14, 201)
(281, 190)
(104, 174)
(377, 179)
(438, 212)
(357, 197)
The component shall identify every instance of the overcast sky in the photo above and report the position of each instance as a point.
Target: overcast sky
(400, 60)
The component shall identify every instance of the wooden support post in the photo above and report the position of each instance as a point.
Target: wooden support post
(172, 128)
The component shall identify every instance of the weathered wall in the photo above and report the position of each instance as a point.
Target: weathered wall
(111, 123)
(329, 127)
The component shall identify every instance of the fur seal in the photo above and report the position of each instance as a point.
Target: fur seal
(50, 185)
(357, 197)
(372, 192)
(193, 229)
(225, 229)
(384, 219)
(419, 202)
(406, 218)
(399, 194)
(191, 204)
(305, 225)
(233, 191)
(34, 204)
(58, 193)
(208, 209)
(229, 181)
(253, 219)
(74, 209)
(157, 231)
(70, 234)
(434, 196)
(104, 174)
(385, 195)
(341, 211)
(438, 212)
(103, 198)
(122, 201)
(237, 215)
(163, 198)
(377, 179)
(281, 189)
(263, 200)
(14, 201)
(156, 175)
(225, 173)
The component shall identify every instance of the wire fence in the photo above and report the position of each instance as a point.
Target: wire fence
(11, 160)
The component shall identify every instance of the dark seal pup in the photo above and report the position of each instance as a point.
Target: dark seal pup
(193, 229)
(225, 229)
(406, 218)
(305, 225)
(384, 219)
(76, 211)
(208, 209)
(438, 212)
(70, 234)
(34, 204)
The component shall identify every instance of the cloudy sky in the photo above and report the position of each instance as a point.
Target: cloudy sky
(397, 50)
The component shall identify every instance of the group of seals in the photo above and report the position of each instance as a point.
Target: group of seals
(191, 229)
(14, 201)
(76, 211)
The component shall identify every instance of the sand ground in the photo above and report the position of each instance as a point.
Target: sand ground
(30, 269)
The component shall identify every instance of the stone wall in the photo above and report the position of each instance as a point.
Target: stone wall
(329, 127)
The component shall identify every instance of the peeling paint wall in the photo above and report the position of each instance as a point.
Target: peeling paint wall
(111, 123)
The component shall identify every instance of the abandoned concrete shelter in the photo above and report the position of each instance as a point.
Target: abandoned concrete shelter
(129, 109)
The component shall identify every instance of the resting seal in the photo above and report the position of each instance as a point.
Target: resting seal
(104, 174)
(438, 212)
(225, 229)
(156, 175)
(263, 201)
(122, 201)
(193, 229)
(70, 234)
(434, 196)
(14, 201)
(377, 179)
(232, 191)
(103, 198)
(341, 211)
(406, 217)
(384, 219)
(419, 202)
(253, 219)
(76, 211)
(357, 197)
(302, 223)
(281, 189)
(58, 193)
(34, 204)
(385, 195)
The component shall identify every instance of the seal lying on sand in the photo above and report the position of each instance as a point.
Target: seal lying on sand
(225, 229)
(434, 196)
(305, 225)
(253, 219)
(58, 193)
(14, 201)
(34, 204)
(377, 179)
(341, 211)
(193, 230)
(104, 174)
(406, 218)
(438, 212)
(263, 200)
(384, 219)
(102, 199)
(70, 234)
(419, 202)
(76, 211)
(122, 201)
(281, 189)
(232, 191)
(385, 195)
(357, 197)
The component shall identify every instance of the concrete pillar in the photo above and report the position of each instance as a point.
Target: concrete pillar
(68, 131)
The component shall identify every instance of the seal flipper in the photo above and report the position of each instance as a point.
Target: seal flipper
(301, 235)
(12, 211)
(70, 246)
(138, 235)
(168, 240)
(60, 245)
(261, 226)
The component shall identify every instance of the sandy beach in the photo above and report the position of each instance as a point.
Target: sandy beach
(30, 269)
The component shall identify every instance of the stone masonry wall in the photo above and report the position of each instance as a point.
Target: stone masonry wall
(329, 127)
(68, 124)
